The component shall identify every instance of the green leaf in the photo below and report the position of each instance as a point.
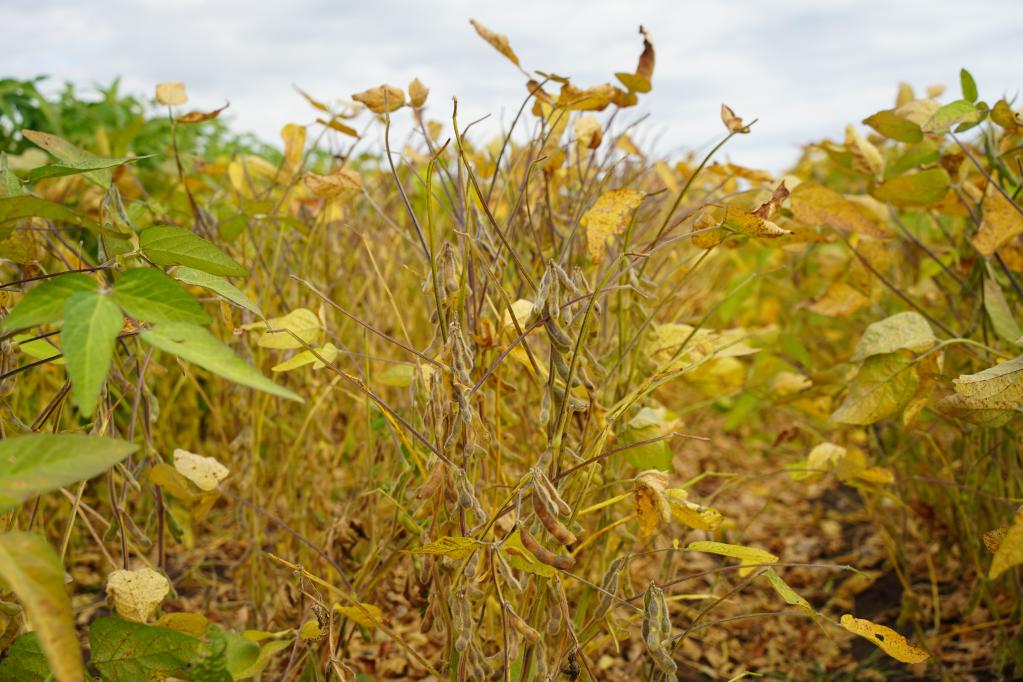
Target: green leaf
(125, 651)
(902, 331)
(997, 308)
(647, 424)
(914, 156)
(198, 346)
(266, 652)
(894, 127)
(1002, 383)
(883, 386)
(92, 322)
(45, 303)
(25, 661)
(915, 189)
(151, 296)
(32, 571)
(40, 462)
(953, 113)
(218, 285)
(28, 206)
(83, 166)
(969, 86)
(10, 185)
(73, 160)
(240, 655)
(166, 245)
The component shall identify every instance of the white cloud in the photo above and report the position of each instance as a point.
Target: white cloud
(803, 68)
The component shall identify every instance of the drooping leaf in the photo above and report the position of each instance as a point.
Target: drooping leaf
(608, 217)
(1002, 383)
(751, 224)
(1002, 222)
(998, 310)
(198, 346)
(889, 641)
(366, 615)
(218, 285)
(28, 206)
(72, 157)
(864, 156)
(497, 41)
(92, 322)
(167, 245)
(652, 506)
(126, 651)
(137, 594)
(895, 127)
(882, 387)
(988, 413)
(151, 296)
(786, 592)
(297, 329)
(1010, 549)
(915, 189)
(38, 463)
(343, 184)
(45, 303)
(417, 93)
(732, 122)
(33, 572)
(819, 205)
(746, 555)
(903, 331)
(205, 472)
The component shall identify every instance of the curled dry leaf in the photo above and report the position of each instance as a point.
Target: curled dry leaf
(342, 184)
(171, 94)
(381, 99)
(205, 472)
(137, 594)
(640, 81)
(588, 131)
(202, 116)
(731, 121)
(417, 93)
(497, 41)
(652, 506)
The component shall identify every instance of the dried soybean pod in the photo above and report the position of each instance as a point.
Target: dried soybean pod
(523, 628)
(544, 555)
(506, 572)
(551, 522)
(609, 587)
(540, 477)
(657, 629)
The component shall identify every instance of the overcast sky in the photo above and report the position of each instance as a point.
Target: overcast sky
(804, 68)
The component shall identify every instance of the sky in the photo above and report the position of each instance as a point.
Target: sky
(804, 69)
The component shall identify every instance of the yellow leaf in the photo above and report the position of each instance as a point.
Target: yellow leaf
(205, 472)
(192, 624)
(692, 514)
(342, 184)
(278, 332)
(750, 224)
(883, 386)
(328, 352)
(1010, 549)
(310, 630)
(522, 559)
(640, 80)
(381, 99)
(456, 547)
(497, 41)
(1002, 223)
(785, 384)
(652, 506)
(818, 205)
(337, 125)
(1002, 384)
(839, 300)
(608, 217)
(746, 555)
(417, 93)
(367, 615)
(786, 592)
(294, 143)
(889, 641)
(732, 122)
(171, 94)
(137, 594)
(865, 156)
(201, 116)
(588, 131)
(902, 331)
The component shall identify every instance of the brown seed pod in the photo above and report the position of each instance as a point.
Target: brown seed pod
(521, 626)
(560, 561)
(551, 522)
(540, 478)
(561, 341)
